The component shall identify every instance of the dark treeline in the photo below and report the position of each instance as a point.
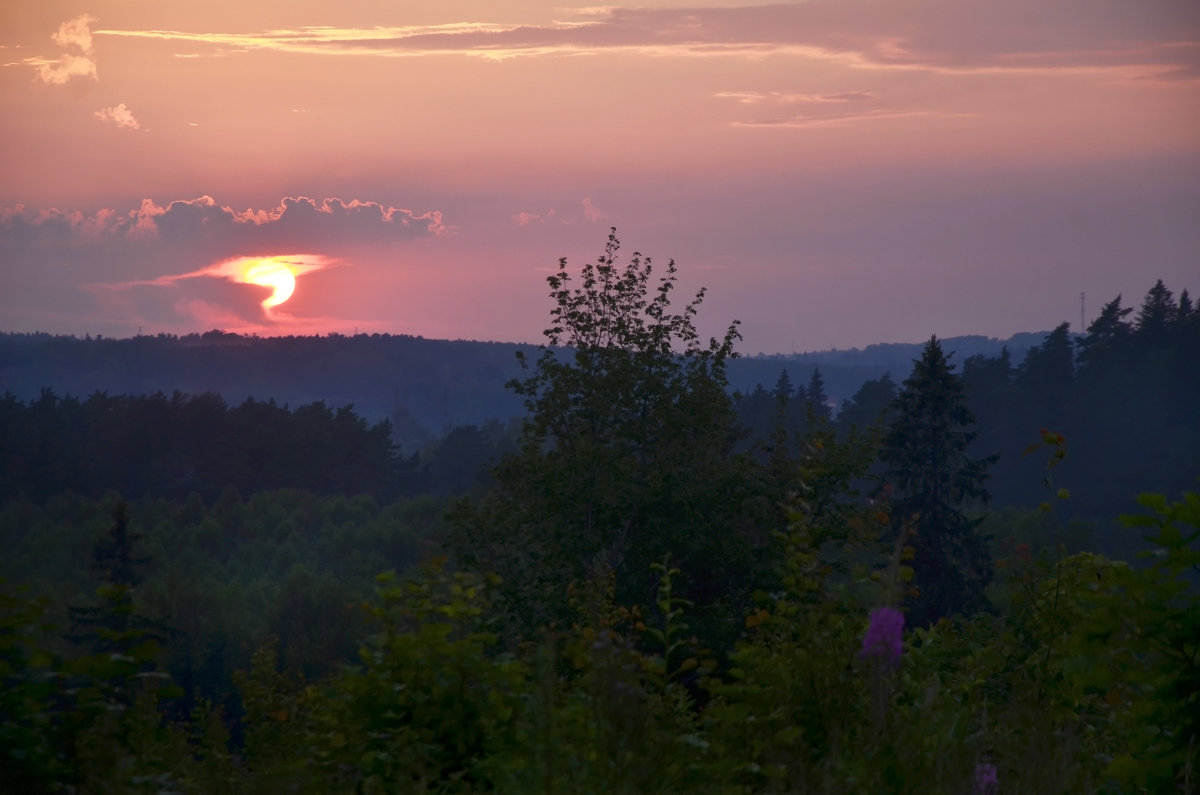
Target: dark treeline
(176, 446)
(660, 586)
(173, 446)
(1126, 396)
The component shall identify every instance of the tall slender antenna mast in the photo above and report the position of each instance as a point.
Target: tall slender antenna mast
(1082, 326)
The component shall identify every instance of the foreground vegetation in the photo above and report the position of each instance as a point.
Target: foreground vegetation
(637, 600)
(1085, 678)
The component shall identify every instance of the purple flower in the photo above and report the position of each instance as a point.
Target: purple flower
(987, 782)
(885, 636)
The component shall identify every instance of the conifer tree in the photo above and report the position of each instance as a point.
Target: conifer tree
(1045, 381)
(1107, 337)
(783, 386)
(1156, 318)
(1183, 312)
(122, 641)
(869, 405)
(934, 481)
(107, 626)
(817, 401)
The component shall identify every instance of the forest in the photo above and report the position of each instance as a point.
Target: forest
(424, 387)
(981, 578)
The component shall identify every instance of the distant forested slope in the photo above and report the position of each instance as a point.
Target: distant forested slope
(424, 387)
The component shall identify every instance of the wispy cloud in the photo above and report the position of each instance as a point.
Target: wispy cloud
(197, 292)
(120, 116)
(232, 269)
(838, 119)
(939, 35)
(827, 110)
(758, 97)
(527, 218)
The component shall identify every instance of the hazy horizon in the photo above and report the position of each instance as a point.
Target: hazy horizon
(353, 333)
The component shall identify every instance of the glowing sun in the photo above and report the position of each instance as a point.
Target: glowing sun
(274, 274)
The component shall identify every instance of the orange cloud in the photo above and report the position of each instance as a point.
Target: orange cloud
(938, 35)
(119, 115)
(74, 34)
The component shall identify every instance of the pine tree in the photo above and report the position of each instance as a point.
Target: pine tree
(1183, 312)
(1045, 381)
(989, 387)
(110, 625)
(869, 405)
(1107, 337)
(817, 405)
(1156, 318)
(783, 386)
(934, 481)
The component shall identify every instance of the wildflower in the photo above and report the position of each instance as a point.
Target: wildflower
(987, 782)
(884, 636)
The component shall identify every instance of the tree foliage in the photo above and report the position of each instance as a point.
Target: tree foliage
(626, 450)
(934, 481)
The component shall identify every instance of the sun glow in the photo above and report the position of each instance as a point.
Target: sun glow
(278, 273)
(274, 274)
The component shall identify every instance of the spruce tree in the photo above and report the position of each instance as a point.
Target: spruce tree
(817, 405)
(112, 625)
(1156, 318)
(1045, 382)
(933, 482)
(783, 386)
(1107, 338)
(1183, 312)
(869, 405)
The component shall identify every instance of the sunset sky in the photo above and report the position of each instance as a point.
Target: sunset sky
(836, 172)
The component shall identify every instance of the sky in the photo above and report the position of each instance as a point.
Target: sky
(834, 172)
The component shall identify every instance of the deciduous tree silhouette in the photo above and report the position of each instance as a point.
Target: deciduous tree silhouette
(625, 453)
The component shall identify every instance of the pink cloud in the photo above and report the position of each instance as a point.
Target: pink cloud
(843, 118)
(786, 98)
(592, 212)
(526, 218)
(74, 34)
(119, 115)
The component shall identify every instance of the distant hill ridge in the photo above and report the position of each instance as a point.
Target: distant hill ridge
(902, 353)
(425, 386)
